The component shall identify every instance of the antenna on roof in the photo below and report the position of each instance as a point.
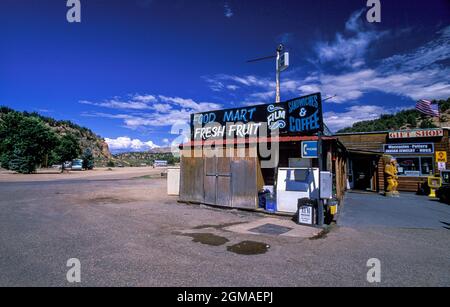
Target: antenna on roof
(328, 98)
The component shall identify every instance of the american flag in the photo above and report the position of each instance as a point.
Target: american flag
(427, 107)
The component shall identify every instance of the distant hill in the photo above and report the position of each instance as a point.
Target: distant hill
(144, 158)
(85, 136)
(407, 119)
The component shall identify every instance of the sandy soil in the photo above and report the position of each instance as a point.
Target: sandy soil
(98, 173)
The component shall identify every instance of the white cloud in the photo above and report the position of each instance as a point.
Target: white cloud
(223, 81)
(426, 56)
(427, 83)
(163, 111)
(162, 107)
(116, 104)
(417, 74)
(124, 143)
(232, 87)
(228, 12)
(348, 49)
(134, 102)
(336, 121)
(145, 98)
(190, 104)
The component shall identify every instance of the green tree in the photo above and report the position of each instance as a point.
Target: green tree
(427, 123)
(67, 149)
(24, 142)
(20, 162)
(88, 159)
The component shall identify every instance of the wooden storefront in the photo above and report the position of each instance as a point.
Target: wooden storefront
(415, 151)
(231, 176)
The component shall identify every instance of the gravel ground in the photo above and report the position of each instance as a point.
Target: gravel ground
(126, 231)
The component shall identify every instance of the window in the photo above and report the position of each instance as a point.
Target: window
(426, 166)
(415, 166)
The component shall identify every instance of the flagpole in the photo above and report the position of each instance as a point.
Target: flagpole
(439, 115)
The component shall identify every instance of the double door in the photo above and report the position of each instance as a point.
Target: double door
(230, 182)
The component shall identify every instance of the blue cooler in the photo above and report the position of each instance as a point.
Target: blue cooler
(271, 204)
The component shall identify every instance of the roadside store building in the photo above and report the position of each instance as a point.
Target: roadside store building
(233, 154)
(420, 153)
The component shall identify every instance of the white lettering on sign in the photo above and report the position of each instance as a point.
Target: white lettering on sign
(409, 148)
(239, 130)
(416, 134)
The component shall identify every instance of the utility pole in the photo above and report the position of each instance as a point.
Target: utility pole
(277, 95)
(282, 63)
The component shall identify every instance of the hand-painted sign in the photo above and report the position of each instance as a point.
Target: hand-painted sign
(300, 116)
(310, 149)
(426, 148)
(423, 133)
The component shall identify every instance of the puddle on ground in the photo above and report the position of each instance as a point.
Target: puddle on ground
(219, 226)
(249, 248)
(206, 238)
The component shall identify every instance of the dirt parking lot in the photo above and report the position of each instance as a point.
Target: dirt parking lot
(126, 231)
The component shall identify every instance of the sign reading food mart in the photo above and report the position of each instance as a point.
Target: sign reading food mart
(422, 133)
(427, 148)
(299, 116)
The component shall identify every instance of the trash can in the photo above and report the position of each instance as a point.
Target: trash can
(307, 211)
(262, 196)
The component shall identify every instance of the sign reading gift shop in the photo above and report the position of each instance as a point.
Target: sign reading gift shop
(422, 133)
(300, 116)
(426, 148)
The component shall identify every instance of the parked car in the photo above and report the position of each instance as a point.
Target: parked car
(77, 165)
(67, 165)
(443, 193)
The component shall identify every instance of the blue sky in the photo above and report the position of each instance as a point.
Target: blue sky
(133, 68)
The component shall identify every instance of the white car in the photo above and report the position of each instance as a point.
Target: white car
(77, 165)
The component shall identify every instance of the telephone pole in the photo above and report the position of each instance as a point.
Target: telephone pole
(282, 63)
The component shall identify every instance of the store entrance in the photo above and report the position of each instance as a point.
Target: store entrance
(364, 172)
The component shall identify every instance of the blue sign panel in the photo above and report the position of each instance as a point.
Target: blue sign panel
(310, 149)
(299, 116)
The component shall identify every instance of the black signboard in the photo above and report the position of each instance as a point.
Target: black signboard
(299, 116)
(426, 148)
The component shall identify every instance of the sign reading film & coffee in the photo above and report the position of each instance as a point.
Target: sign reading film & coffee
(299, 116)
(426, 148)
